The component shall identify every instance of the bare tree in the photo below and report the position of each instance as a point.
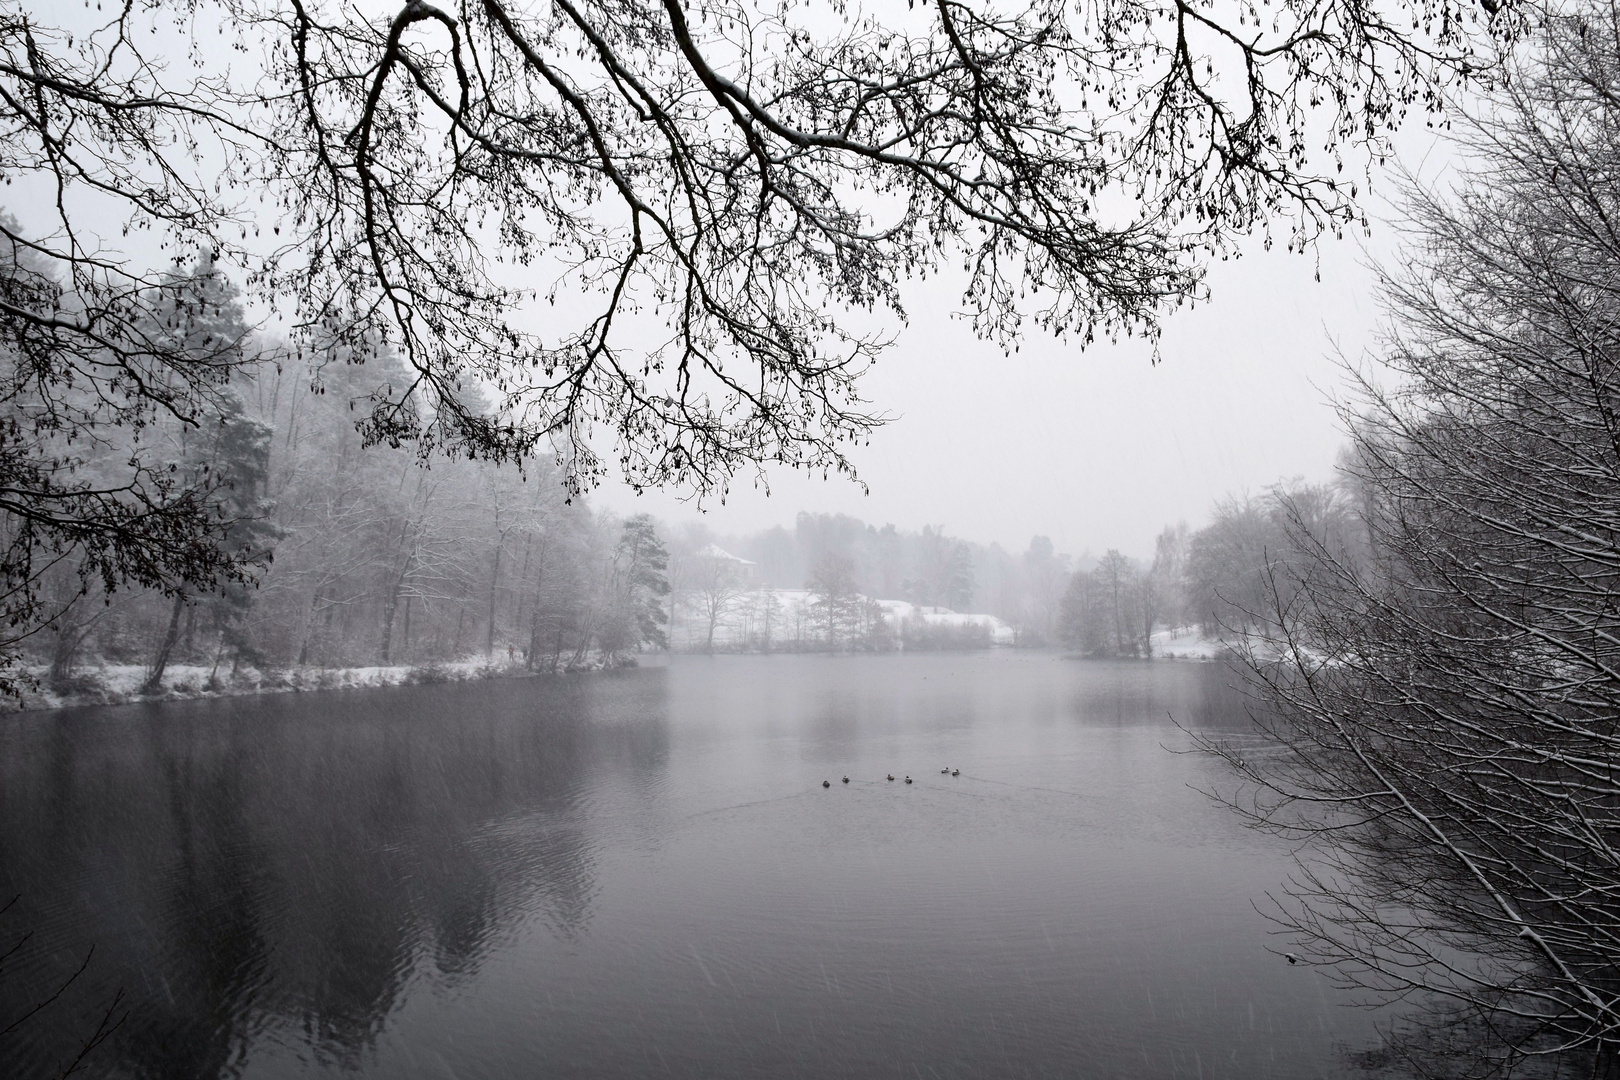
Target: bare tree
(1445, 680)
(1045, 574)
(1102, 610)
(713, 172)
(716, 586)
(767, 615)
(1164, 585)
(835, 600)
(1229, 564)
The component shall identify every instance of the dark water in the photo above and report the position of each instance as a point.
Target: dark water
(640, 875)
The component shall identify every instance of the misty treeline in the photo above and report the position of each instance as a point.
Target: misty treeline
(351, 555)
(329, 553)
(814, 587)
(805, 587)
(1435, 643)
(1217, 582)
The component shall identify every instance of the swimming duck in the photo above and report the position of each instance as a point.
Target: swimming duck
(956, 772)
(846, 779)
(891, 776)
(908, 779)
(826, 783)
(946, 771)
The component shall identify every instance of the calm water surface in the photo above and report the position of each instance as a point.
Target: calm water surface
(639, 875)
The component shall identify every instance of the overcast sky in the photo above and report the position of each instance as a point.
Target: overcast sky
(1099, 448)
(1102, 448)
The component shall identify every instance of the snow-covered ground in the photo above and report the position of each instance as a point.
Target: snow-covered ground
(114, 684)
(744, 618)
(899, 612)
(1185, 643)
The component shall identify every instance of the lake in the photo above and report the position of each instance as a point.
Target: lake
(639, 874)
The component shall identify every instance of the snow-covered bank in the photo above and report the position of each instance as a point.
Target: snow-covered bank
(120, 684)
(762, 619)
(906, 615)
(1186, 643)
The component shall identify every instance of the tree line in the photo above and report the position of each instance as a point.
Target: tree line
(348, 555)
(1221, 582)
(803, 588)
(357, 556)
(814, 586)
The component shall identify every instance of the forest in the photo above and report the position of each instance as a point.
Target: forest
(354, 556)
(348, 556)
(478, 254)
(370, 556)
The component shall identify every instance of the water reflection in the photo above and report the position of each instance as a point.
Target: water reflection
(297, 862)
(641, 873)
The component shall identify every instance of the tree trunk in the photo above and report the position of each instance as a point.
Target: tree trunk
(534, 603)
(523, 577)
(62, 654)
(68, 638)
(188, 640)
(154, 681)
(534, 625)
(309, 629)
(393, 608)
(1149, 617)
(494, 581)
(394, 595)
(219, 652)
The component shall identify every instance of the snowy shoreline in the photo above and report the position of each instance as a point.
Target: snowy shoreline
(120, 684)
(1186, 643)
